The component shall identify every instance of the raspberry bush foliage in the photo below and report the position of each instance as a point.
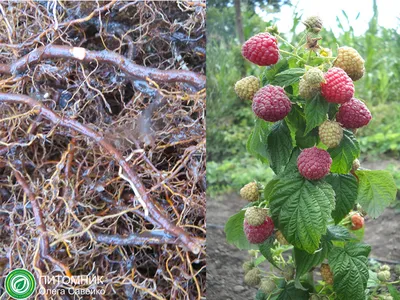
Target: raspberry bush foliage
(308, 221)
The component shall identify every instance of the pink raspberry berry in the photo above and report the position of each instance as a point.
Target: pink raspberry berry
(357, 222)
(353, 114)
(261, 49)
(338, 86)
(258, 234)
(271, 104)
(314, 163)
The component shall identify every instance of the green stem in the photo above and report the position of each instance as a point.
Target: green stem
(300, 43)
(320, 292)
(281, 257)
(292, 54)
(286, 42)
(309, 57)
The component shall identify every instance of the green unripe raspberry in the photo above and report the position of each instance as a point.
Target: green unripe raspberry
(330, 133)
(384, 268)
(356, 165)
(384, 275)
(246, 88)
(253, 253)
(253, 277)
(255, 215)
(250, 192)
(307, 91)
(397, 269)
(351, 62)
(313, 24)
(247, 266)
(314, 77)
(288, 272)
(267, 286)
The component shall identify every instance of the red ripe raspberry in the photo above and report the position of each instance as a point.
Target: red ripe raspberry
(353, 114)
(261, 49)
(314, 163)
(338, 86)
(357, 222)
(271, 104)
(258, 234)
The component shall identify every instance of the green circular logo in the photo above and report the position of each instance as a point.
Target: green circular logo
(20, 284)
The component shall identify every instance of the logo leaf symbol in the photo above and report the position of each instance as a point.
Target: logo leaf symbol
(20, 284)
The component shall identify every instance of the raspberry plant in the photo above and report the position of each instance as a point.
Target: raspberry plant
(305, 130)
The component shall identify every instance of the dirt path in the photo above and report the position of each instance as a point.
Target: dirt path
(224, 262)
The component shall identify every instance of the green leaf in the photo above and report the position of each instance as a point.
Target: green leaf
(305, 261)
(280, 146)
(350, 270)
(261, 296)
(268, 189)
(376, 191)
(259, 260)
(290, 293)
(291, 167)
(308, 140)
(288, 77)
(315, 112)
(393, 292)
(297, 125)
(301, 210)
(373, 280)
(344, 154)
(345, 187)
(257, 142)
(265, 250)
(235, 233)
(269, 74)
(338, 233)
(333, 109)
(358, 234)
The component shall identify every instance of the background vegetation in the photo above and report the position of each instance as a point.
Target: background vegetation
(230, 120)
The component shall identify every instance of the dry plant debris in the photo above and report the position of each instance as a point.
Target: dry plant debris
(102, 144)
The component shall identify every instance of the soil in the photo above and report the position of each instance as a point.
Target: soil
(224, 261)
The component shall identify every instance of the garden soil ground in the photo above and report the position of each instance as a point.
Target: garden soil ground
(224, 261)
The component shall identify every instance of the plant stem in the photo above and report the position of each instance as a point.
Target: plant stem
(309, 57)
(286, 42)
(292, 54)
